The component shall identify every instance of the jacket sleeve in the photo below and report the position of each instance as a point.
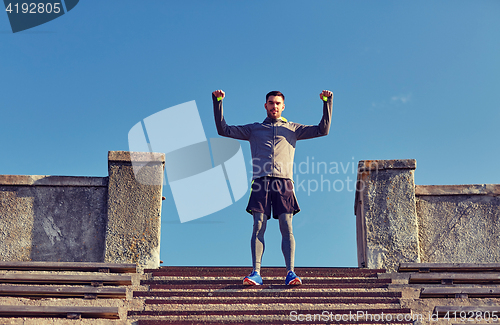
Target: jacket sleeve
(240, 132)
(322, 129)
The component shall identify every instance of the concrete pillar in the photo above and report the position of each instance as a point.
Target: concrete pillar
(386, 218)
(134, 208)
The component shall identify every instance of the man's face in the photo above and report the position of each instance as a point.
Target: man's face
(274, 106)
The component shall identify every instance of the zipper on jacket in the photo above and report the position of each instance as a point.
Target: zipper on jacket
(273, 173)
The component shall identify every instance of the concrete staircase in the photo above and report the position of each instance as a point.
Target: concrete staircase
(39, 293)
(215, 295)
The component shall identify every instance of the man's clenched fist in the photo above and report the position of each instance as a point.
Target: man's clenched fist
(325, 93)
(219, 94)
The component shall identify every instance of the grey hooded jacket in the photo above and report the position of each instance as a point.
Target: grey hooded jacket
(272, 142)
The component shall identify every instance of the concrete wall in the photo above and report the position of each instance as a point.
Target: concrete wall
(398, 221)
(88, 219)
(52, 218)
(459, 223)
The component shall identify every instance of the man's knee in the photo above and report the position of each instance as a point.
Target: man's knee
(259, 222)
(285, 221)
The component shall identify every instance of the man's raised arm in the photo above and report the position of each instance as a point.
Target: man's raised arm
(324, 124)
(322, 129)
(237, 132)
(217, 97)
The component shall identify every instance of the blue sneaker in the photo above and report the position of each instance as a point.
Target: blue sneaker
(254, 279)
(292, 279)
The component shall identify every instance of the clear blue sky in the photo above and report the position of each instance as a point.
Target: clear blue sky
(411, 80)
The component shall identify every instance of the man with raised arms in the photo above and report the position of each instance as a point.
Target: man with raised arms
(272, 144)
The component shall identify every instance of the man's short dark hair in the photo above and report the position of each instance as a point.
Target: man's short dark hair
(275, 93)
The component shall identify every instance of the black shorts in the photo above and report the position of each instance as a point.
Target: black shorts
(275, 192)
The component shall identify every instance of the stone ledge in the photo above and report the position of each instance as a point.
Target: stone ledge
(369, 165)
(481, 189)
(44, 180)
(129, 156)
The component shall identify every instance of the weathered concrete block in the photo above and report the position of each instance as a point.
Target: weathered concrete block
(387, 228)
(134, 208)
(459, 223)
(52, 218)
